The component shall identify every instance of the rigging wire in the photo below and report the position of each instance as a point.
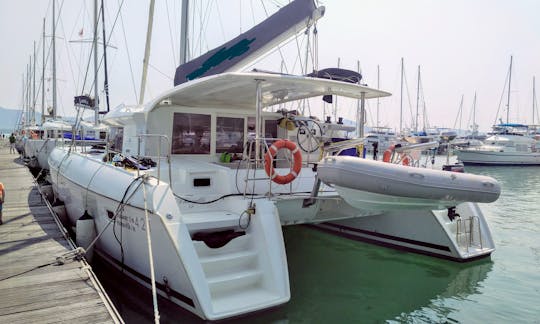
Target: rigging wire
(160, 72)
(501, 99)
(127, 48)
(174, 56)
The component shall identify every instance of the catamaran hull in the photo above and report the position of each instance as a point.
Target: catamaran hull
(187, 271)
(474, 157)
(462, 239)
(40, 149)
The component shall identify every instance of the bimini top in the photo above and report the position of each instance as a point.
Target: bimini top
(239, 90)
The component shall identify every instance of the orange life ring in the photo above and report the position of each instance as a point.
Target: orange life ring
(271, 154)
(406, 160)
(387, 155)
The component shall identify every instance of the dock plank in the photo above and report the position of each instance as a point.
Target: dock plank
(34, 287)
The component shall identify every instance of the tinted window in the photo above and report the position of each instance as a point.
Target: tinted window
(230, 135)
(191, 134)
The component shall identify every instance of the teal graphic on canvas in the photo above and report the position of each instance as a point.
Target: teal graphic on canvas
(223, 54)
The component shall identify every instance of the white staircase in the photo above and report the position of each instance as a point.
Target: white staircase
(236, 274)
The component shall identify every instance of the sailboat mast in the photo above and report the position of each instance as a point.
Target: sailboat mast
(417, 100)
(534, 99)
(474, 116)
(34, 88)
(26, 96)
(184, 32)
(508, 100)
(54, 59)
(43, 76)
(147, 51)
(360, 111)
(401, 102)
(96, 94)
(106, 78)
(378, 87)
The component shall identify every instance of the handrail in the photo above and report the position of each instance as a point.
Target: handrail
(168, 155)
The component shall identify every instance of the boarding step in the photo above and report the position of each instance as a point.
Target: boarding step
(241, 243)
(247, 298)
(232, 283)
(228, 263)
(468, 232)
(210, 220)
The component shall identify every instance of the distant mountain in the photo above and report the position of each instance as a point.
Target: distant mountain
(10, 117)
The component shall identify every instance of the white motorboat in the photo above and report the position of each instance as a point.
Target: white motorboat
(379, 186)
(509, 145)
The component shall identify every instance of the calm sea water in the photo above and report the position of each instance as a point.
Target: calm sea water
(337, 280)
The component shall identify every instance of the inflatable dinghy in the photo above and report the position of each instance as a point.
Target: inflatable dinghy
(373, 185)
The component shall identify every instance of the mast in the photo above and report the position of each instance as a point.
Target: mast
(417, 100)
(474, 116)
(147, 50)
(43, 77)
(96, 94)
(184, 32)
(401, 102)
(508, 100)
(54, 59)
(378, 87)
(460, 115)
(336, 97)
(27, 94)
(34, 88)
(534, 100)
(106, 79)
(359, 112)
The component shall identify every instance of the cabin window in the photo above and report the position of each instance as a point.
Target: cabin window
(116, 136)
(90, 135)
(191, 134)
(270, 128)
(229, 135)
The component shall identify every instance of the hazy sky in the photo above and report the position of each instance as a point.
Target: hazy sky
(462, 46)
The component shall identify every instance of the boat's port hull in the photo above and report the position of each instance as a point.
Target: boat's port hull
(425, 232)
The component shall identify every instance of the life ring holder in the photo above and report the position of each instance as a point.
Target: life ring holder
(271, 154)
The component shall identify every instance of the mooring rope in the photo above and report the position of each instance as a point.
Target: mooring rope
(150, 256)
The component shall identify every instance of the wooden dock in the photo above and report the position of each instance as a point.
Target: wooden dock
(34, 286)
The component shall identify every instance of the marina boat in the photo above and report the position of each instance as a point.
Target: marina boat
(383, 136)
(416, 209)
(509, 144)
(37, 149)
(216, 222)
(190, 195)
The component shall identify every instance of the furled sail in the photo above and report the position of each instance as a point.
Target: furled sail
(256, 42)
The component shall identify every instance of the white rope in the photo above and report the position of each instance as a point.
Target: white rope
(150, 256)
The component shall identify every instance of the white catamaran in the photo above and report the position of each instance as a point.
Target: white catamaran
(192, 199)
